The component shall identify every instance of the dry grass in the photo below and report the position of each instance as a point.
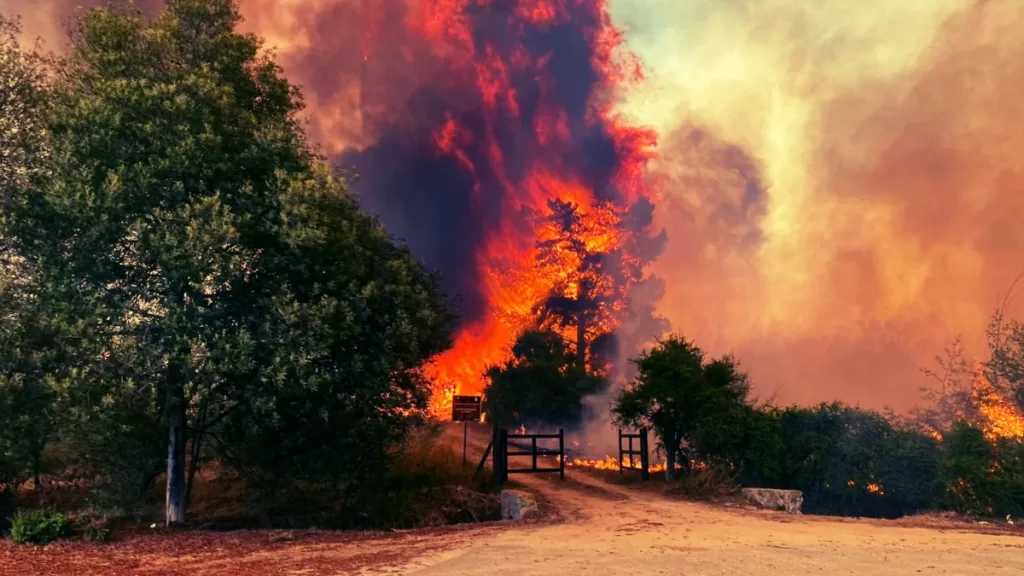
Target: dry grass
(706, 483)
(429, 455)
(701, 484)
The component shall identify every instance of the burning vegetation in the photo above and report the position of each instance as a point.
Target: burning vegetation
(484, 133)
(509, 157)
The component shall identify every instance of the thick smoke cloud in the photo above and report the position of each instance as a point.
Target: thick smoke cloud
(445, 206)
(856, 207)
(383, 79)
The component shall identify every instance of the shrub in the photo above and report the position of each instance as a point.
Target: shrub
(38, 527)
(707, 482)
(94, 523)
(427, 486)
(540, 384)
(982, 478)
(7, 508)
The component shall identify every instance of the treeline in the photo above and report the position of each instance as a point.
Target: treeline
(183, 280)
(845, 460)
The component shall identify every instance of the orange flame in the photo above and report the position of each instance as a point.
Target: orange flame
(514, 281)
(999, 418)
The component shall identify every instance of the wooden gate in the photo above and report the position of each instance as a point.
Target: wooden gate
(512, 445)
(644, 465)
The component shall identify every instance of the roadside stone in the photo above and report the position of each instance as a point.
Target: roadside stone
(789, 501)
(517, 505)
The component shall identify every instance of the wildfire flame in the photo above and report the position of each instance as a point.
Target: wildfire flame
(513, 279)
(999, 418)
(613, 464)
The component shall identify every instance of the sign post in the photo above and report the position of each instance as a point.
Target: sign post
(465, 409)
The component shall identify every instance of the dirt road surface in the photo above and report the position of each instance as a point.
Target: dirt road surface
(612, 530)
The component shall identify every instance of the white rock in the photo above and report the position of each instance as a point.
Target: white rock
(782, 500)
(517, 505)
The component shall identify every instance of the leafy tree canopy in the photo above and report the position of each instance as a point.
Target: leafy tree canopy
(541, 384)
(216, 282)
(682, 396)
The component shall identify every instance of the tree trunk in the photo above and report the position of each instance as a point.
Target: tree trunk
(193, 464)
(671, 448)
(174, 510)
(581, 342)
(36, 480)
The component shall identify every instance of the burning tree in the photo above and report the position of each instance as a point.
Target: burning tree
(1005, 366)
(598, 257)
(987, 395)
(595, 258)
(500, 158)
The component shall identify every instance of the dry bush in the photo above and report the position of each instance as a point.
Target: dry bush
(430, 486)
(709, 482)
(428, 457)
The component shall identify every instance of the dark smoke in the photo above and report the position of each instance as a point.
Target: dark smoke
(380, 91)
(443, 208)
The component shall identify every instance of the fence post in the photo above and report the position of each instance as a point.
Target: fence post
(534, 448)
(645, 457)
(620, 450)
(561, 453)
(503, 440)
(496, 452)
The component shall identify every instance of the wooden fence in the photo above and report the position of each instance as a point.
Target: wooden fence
(643, 465)
(503, 441)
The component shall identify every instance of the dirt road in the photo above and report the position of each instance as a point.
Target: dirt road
(613, 530)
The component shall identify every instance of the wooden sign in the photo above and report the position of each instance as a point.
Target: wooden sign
(466, 408)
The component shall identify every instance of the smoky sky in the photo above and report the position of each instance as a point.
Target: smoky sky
(889, 152)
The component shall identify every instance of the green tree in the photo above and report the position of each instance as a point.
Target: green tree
(26, 410)
(542, 383)
(351, 326)
(683, 397)
(27, 364)
(22, 95)
(221, 284)
(982, 477)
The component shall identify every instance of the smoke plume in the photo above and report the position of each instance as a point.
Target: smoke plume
(841, 182)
